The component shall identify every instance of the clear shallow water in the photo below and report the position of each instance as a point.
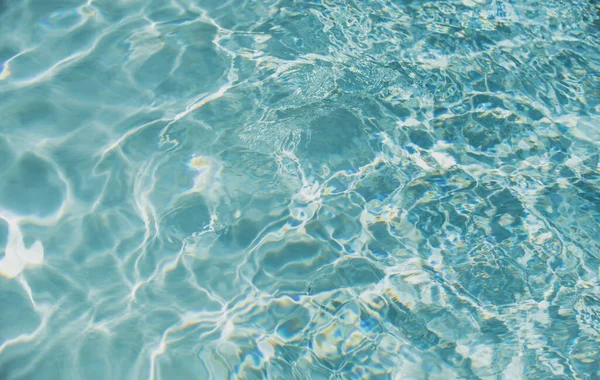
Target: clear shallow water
(307, 190)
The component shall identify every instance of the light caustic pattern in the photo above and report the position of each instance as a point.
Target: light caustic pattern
(325, 189)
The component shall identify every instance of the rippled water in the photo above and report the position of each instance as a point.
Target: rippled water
(324, 189)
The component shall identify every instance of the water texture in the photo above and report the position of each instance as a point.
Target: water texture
(319, 189)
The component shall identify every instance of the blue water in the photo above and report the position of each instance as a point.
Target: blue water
(320, 189)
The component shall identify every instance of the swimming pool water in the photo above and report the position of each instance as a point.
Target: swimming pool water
(286, 189)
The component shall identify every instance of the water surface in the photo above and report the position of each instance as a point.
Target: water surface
(332, 189)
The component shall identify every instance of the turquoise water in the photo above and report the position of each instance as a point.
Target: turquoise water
(324, 189)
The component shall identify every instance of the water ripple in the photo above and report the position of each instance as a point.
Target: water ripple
(317, 189)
